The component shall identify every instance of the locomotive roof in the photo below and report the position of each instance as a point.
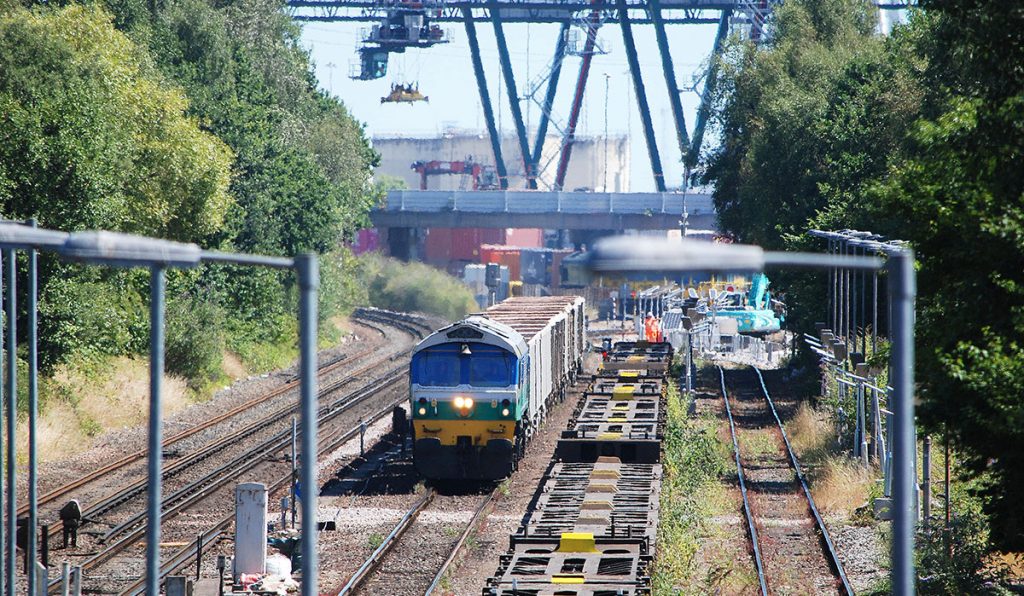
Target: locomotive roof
(477, 329)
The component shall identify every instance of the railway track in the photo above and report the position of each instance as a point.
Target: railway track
(188, 554)
(132, 529)
(374, 575)
(783, 552)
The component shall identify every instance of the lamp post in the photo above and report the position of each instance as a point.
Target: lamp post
(18, 236)
(631, 254)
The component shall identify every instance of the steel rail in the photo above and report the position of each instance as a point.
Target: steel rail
(758, 562)
(205, 452)
(141, 454)
(188, 554)
(202, 488)
(833, 556)
(274, 443)
(473, 523)
(376, 316)
(388, 543)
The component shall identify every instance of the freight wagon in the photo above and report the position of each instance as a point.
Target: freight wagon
(480, 387)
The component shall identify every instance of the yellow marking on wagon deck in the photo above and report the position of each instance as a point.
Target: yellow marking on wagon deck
(577, 542)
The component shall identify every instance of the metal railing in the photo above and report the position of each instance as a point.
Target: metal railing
(869, 436)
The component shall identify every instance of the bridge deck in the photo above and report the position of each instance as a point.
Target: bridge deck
(537, 209)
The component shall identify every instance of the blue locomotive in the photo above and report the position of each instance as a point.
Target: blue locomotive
(480, 387)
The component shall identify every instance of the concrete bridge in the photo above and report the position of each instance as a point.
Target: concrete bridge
(548, 210)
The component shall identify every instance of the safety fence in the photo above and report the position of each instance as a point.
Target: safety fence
(862, 415)
(708, 340)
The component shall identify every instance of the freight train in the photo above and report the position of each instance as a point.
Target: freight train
(480, 387)
(592, 525)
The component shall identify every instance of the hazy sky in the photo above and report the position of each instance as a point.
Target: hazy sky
(445, 75)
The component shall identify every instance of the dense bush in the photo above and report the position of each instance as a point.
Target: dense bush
(402, 286)
(197, 120)
(194, 338)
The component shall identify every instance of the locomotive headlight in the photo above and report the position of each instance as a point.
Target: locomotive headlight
(467, 403)
(504, 412)
(505, 407)
(459, 402)
(422, 411)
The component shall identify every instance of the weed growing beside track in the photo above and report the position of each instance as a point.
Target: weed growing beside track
(694, 461)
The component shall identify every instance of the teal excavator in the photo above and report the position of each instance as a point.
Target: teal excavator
(757, 316)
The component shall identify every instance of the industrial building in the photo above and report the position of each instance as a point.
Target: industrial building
(597, 164)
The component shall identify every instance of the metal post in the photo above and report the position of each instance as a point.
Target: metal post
(848, 304)
(926, 479)
(903, 288)
(157, 286)
(42, 579)
(549, 97)
(33, 414)
(708, 94)
(199, 555)
(3, 526)
(65, 578)
(839, 330)
(485, 96)
(308, 270)
(44, 547)
(295, 462)
(863, 309)
(641, 94)
(362, 437)
(529, 166)
(947, 498)
(12, 420)
(862, 422)
(831, 292)
(76, 581)
(874, 313)
(670, 78)
(854, 320)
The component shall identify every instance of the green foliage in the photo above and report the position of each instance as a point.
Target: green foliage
(194, 120)
(953, 560)
(91, 135)
(90, 315)
(402, 286)
(194, 338)
(918, 136)
(694, 460)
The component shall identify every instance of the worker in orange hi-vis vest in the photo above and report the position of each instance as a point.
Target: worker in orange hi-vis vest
(651, 328)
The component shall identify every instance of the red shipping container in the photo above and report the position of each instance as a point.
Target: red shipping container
(466, 242)
(367, 240)
(525, 237)
(437, 249)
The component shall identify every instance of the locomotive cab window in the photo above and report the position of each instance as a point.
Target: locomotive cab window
(490, 366)
(476, 364)
(437, 366)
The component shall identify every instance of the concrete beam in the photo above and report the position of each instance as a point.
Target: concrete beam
(550, 210)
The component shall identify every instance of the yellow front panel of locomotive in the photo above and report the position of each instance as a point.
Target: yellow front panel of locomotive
(448, 431)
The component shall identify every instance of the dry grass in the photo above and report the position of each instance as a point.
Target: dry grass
(82, 405)
(840, 485)
(233, 366)
(810, 433)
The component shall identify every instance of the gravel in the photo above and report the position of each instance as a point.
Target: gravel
(182, 529)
